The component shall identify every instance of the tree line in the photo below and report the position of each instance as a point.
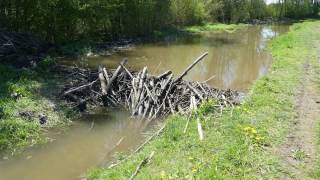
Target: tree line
(65, 20)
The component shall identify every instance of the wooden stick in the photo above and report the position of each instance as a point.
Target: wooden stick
(141, 146)
(141, 164)
(105, 73)
(128, 72)
(164, 75)
(191, 66)
(194, 90)
(212, 77)
(150, 138)
(102, 81)
(79, 88)
(200, 130)
(187, 124)
(115, 75)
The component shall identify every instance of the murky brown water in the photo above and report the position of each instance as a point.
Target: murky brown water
(83, 146)
(236, 59)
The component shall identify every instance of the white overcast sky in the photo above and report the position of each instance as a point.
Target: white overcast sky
(271, 1)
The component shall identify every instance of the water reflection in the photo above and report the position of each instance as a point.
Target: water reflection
(236, 59)
(88, 143)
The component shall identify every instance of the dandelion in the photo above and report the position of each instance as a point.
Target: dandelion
(163, 174)
(194, 170)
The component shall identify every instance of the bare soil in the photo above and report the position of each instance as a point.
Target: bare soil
(298, 153)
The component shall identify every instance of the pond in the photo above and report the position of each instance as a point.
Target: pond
(235, 61)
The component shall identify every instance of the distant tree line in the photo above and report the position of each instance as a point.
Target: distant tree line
(64, 20)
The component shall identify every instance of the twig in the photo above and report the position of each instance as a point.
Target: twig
(141, 164)
(187, 124)
(212, 77)
(79, 88)
(140, 147)
(200, 130)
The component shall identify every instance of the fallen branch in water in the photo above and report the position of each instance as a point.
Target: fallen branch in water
(140, 147)
(150, 138)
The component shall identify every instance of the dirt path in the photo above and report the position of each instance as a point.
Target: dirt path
(298, 153)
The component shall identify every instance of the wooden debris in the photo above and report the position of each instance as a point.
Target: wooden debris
(200, 130)
(141, 164)
(144, 95)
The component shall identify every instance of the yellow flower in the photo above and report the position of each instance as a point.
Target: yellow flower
(163, 174)
(194, 170)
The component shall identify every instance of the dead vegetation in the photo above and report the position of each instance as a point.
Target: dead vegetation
(143, 94)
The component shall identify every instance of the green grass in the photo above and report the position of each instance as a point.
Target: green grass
(316, 79)
(238, 145)
(214, 28)
(34, 90)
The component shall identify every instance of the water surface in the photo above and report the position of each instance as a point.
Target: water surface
(235, 59)
(90, 142)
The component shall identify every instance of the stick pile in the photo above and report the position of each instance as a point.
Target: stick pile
(144, 95)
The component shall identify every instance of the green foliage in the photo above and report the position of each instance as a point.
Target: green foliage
(65, 20)
(17, 133)
(294, 8)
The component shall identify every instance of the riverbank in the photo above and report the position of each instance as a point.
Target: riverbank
(102, 48)
(241, 142)
(210, 27)
(29, 106)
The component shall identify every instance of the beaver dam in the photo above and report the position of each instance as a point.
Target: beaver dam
(144, 95)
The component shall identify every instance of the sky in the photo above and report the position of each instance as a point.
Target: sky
(271, 1)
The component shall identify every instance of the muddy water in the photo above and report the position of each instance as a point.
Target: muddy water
(235, 59)
(88, 143)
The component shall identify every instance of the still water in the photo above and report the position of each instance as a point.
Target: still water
(90, 142)
(235, 59)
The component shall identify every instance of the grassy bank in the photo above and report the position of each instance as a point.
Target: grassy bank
(214, 28)
(239, 143)
(26, 94)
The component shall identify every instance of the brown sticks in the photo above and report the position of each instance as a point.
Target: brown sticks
(144, 95)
